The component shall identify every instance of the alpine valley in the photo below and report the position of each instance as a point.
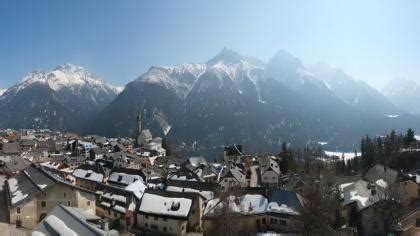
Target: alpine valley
(229, 99)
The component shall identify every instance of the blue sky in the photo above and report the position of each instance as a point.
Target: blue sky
(374, 41)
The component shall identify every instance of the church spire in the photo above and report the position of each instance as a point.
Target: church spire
(138, 121)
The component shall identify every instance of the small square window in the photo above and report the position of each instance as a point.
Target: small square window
(43, 204)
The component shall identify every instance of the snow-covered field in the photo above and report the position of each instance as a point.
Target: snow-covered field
(347, 155)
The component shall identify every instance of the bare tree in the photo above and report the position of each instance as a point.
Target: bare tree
(321, 204)
(388, 205)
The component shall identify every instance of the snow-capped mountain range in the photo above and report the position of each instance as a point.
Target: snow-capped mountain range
(228, 99)
(68, 90)
(237, 99)
(67, 76)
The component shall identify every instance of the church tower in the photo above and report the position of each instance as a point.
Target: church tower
(138, 128)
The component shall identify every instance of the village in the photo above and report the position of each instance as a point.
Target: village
(62, 184)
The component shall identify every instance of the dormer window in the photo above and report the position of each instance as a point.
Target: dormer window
(119, 178)
(175, 206)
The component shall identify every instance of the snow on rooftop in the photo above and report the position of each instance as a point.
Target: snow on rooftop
(88, 174)
(382, 183)
(171, 206)
(115, 197)
(246, 204)
(42, 186)
(360, 193)
(59, 226)
(17, 195)
(123, 178)
(282, 209)
(205, 194)
(37, 233)
(137, 187)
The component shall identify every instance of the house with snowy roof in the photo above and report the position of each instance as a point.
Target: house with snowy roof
(34, 192)
(246, 211)
(116, 204)
(124, 176)
(283, 211)
(381, 173)
(64, 220)
(233, 153)
(185, 174)
(176, 213)
(269, 171)
(206, 190)
(206, 172)
(231, 176)
(88, 175)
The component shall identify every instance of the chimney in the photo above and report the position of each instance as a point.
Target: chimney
(105, 224)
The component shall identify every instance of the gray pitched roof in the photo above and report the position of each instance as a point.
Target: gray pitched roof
(31, 181)
(378, 172)
(69, 221)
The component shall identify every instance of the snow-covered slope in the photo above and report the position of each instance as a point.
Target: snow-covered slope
(236, 99)
(69, 91)
(179, 78)
(67, 76)
(355, 93)
(404, 93)
(2, 91)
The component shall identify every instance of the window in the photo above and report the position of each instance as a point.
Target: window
(43, 204)
(68, 203)
(153, 226)
(115, 214)
(164, 229)
(146, 225)
(18, 210)
(147, 217)
(273, 221)
(182, 227)
(64, 194)
(156, 218)
(88, 203)
(418, 222)
(263, 221)
(258, 221)
(282, 222)
(193, 211)
(165, 219)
